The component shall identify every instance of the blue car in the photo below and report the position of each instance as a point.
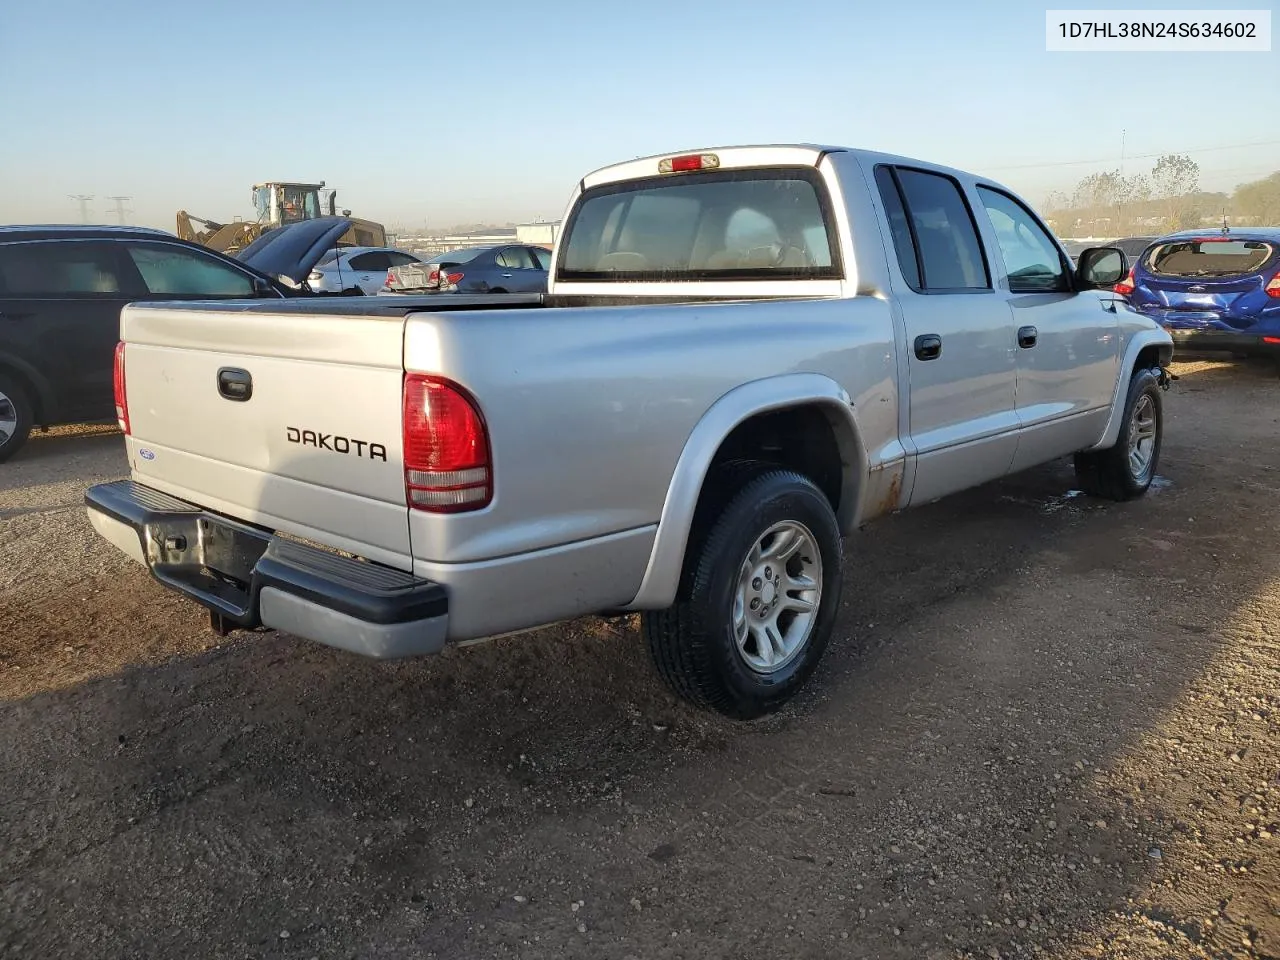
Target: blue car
(1212, 290)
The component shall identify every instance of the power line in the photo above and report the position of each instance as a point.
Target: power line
(119, 209)
(1134, 156)
(83, 200)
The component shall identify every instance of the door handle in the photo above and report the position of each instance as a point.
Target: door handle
(507, 276)
(1027, 337)
(235, 384)
(928, 346)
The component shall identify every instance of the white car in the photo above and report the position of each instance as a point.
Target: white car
(343, 268)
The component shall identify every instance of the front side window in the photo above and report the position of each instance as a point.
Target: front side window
(763, 224)
(1031, 258)
(174, 271)
(60, 269)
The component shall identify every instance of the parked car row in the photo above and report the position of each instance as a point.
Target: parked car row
(500, 268)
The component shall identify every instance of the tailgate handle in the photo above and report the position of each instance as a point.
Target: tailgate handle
(235, 384)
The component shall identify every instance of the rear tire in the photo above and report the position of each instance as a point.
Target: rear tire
(1125, 471)
(758, 597)
(16, 416)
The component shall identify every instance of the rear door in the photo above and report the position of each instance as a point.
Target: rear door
(1067, 341)
(287, 416)
(961, 365)
(369, 270)
(60, 306)
(517, 272)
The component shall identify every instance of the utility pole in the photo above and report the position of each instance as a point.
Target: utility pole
(119, 209)
(1120, 211)
(83, 200)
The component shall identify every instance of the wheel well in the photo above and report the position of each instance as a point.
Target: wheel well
(800, 438)
(29, 388)
(1152, 356)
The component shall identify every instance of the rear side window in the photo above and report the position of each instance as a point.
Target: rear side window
(760, 224)
(1208, 257)
(946, 238)
(175, 271)
(71, 268)
(515, 258)
(543, 257)
(374, 260)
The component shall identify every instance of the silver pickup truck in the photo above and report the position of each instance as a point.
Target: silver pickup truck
(743, 354)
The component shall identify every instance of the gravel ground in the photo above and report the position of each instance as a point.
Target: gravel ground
(1046, 727)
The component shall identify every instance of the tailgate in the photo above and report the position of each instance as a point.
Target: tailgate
(315, 449)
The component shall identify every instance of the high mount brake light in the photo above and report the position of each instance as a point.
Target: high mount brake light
(446, 447)
(692, 161)
(118, 387)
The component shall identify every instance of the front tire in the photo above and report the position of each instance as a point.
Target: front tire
(758, 598)
(1125, 471)
(16, 416)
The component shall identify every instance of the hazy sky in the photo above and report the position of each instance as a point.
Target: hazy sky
(420, 113)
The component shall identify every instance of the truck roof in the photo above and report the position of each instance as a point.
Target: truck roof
(753, 155)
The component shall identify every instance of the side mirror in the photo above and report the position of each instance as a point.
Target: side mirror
(262, 288)
(1099, 268)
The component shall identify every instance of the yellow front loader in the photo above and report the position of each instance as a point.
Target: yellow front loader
(277, 204)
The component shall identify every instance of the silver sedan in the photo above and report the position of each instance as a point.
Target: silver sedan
(343, 268)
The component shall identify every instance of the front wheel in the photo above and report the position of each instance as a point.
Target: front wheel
(1125, 471)
(758, 599)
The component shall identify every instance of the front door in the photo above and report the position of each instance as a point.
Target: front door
(960, 359)
(1068, 342)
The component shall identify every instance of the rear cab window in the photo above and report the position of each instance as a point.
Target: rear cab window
(746, 224)
(1208, 257)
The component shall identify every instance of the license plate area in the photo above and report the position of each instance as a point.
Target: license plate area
(209, 558)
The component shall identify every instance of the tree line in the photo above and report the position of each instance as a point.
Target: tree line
(1165, 199)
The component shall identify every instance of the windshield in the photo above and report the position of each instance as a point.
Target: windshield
(1208, 257)
(740, 225)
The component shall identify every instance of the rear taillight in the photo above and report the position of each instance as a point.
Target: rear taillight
(453, 279)
(446, 447)
(1125, 286)
(117, 384)
(391, 279)
(434, 276)
(1273, 288)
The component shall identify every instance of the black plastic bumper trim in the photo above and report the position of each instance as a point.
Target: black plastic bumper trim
(367, 591)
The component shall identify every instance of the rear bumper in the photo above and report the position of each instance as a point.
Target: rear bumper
(1188, 340)
(249, 577)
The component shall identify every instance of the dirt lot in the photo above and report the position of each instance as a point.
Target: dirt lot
(1047, 727)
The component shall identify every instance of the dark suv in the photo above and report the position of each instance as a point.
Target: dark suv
(62, 287)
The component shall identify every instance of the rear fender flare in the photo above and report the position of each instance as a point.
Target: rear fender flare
(1124, 373)
(666, 560)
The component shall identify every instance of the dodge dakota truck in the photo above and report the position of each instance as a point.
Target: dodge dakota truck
(743, 354)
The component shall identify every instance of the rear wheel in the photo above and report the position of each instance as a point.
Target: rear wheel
(758, 599)
(1125, 471)
(16, 415)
